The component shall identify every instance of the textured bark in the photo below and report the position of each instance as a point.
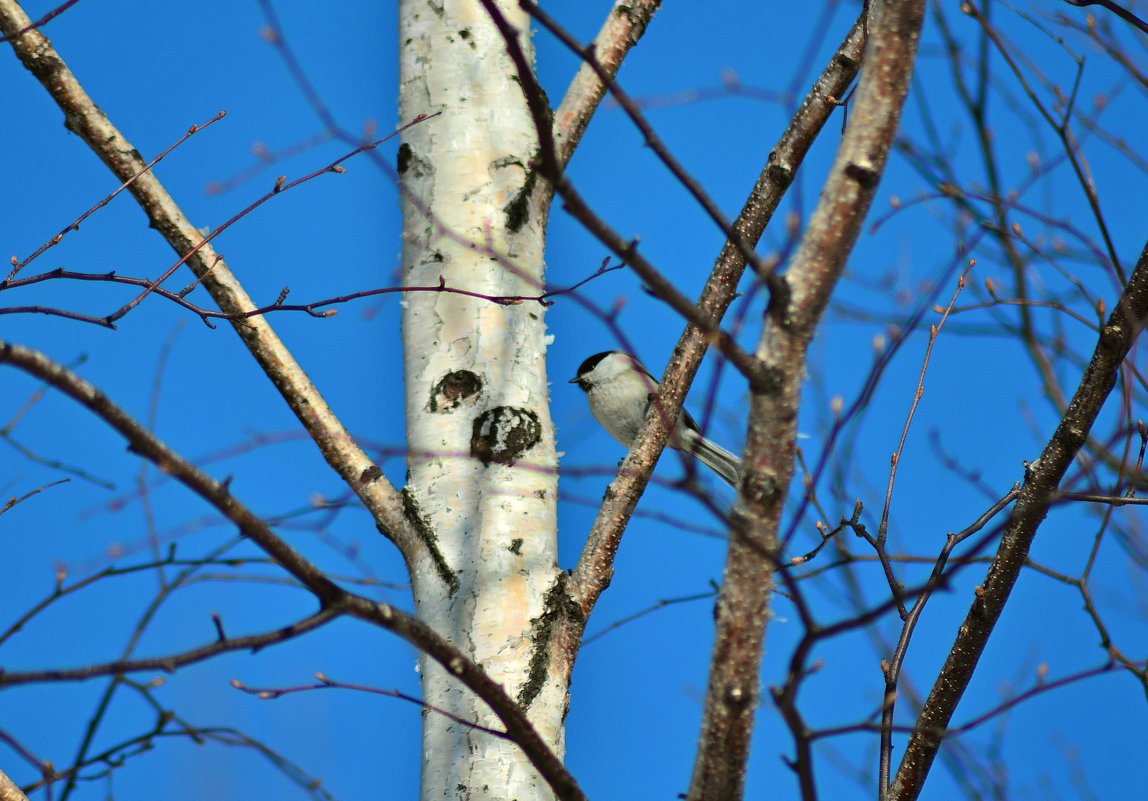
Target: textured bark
(595, 566)
(483, 481)
(9, 791)
(798, 300)
(1040, 487)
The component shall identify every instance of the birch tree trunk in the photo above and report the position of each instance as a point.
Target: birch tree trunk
(482, 483)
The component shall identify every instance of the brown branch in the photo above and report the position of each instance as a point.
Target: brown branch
(649, 610)
(14, 500)
(1059, 126)
(892, 667)
(315, 308)
(44, 20)
(266, 159)
(650, 137)
(168, 664)
(1039, 491)
(325, 683)
(1110, 47)
(865, 616)
(17, 266)
(333, 599)
(1040, 687)
(595, 565)
(899, 334)
(1116, 9)
(798, 301)
(84, 118)
(273, 34)
(625, 24)
(880, 541)
(1110, 500)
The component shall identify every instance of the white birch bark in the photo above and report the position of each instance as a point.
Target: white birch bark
(482, 484)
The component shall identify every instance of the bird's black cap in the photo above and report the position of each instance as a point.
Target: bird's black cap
(589, 364)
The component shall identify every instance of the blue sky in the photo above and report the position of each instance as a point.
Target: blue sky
(157, 68)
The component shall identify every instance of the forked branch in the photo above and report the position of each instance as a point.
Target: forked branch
(332, 598)
(84, 117)
(798, 300)
(1037, 494)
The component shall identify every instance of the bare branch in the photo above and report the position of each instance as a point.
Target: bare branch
(15, 500)
(1042, 481)
(44, 20)
(318, 308)
(325, 683)
(168, 664)
(798, 301)
(652, 140)
(334, 599)
(1116, 9)
(625, 23)
(17, 266)
(84, 117)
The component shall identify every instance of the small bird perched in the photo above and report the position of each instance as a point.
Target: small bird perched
(619, 390)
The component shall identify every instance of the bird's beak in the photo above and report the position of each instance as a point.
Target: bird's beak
(574, 381)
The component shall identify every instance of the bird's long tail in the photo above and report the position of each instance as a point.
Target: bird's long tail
(718, 459)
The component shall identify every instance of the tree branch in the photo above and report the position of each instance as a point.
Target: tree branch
(593, 572)
(333, 598)
(625, 24)
(83, 117)
(168, 664)
(797, 304)
(595, 567)
(1039, 491)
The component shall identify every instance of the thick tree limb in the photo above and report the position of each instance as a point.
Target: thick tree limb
(1039, 491)
(797, 303)
(625, 23)
(595, 567)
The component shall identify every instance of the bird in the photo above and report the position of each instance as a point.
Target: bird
(619, 390)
